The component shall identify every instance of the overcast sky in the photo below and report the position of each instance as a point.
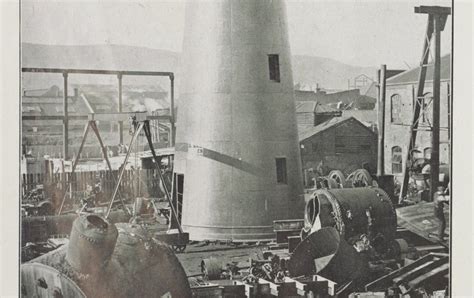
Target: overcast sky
(364, 33)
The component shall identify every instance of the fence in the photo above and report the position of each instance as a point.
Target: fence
(142, 182)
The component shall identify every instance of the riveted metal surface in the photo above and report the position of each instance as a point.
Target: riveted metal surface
(347, 209)
(139, 267)
(91, 243)
(325, 253)
(39, 280)
(234, 121)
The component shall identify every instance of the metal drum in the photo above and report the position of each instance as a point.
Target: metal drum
(353, 212)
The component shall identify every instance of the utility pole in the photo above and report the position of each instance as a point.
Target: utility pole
(437, 16)
(65, 119)
(119, 77)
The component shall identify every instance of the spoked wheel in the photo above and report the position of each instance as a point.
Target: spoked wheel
(178, 248)
(338, 177)
(332, 183)
(361, 178)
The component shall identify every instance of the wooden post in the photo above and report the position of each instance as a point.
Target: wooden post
(417, 108)
(437, 16)
(381, 119)
(434, 164)
(172, 124)
(65, 119)
(119, 77)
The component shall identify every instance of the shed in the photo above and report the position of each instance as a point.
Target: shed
(341, 143)
(312, 113)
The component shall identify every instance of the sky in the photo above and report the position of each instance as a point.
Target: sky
(362, 33)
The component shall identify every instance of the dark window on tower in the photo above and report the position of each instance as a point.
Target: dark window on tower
(274, 67)
(281, 170)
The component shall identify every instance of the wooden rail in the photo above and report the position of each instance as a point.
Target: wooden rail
(139, 182)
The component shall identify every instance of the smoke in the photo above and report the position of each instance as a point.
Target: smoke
(144, 104)
(152, 104)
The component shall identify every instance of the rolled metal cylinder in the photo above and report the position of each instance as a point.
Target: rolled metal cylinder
(352, 211)
(91, 243)
(324, 252)
(236, 139)
(211, 268)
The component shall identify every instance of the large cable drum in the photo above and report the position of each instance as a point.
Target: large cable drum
(132, 264)
(353, 212)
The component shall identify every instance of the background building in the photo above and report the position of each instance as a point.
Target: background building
(311, 113)
(340, 143)
(399, 106)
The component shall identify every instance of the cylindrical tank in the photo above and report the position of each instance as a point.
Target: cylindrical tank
(236, 140)
(353, 212)
(139, 266)
(91, 243)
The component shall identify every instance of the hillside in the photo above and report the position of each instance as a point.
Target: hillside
(328, 73)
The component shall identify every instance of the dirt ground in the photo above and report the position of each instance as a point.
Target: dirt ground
(193, 255)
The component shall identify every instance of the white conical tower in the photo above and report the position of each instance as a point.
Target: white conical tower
(237, 141)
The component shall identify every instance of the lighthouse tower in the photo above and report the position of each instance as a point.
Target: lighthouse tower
(237, 158)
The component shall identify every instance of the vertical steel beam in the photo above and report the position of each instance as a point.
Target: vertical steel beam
(119, 77)
(172, 124)
(434, 164)
(65, 119)
(381, 119)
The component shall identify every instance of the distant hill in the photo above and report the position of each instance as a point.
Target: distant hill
(328, 73)
(113, 57)
(309, 70)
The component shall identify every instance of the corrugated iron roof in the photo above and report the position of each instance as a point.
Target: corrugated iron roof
(327, 125)
(322, 109)
(305, 106)
(314, 107)
(369, 116)
(411, 76)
